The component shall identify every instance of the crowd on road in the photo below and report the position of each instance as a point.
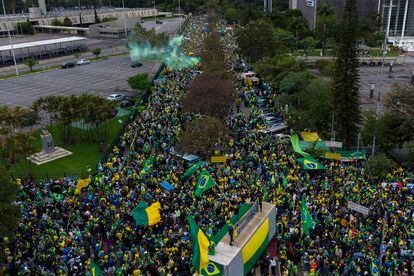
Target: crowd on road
(64, 234)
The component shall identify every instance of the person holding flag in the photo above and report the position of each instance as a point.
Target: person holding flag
(306, 218)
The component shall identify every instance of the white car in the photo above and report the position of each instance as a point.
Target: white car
(83, 61)
(116, 97)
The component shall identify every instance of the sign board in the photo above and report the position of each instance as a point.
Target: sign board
(333, 144)
(218, 159)
(310, 3)
(359, 208)
(332, 155)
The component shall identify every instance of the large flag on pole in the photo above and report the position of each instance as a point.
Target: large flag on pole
(200, 245)
(204, 182)
(147, 215)
(190, 171)
(307, 221)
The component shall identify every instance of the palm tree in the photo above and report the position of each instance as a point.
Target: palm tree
(297, 26)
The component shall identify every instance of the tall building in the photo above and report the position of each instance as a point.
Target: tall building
(366, 8)
(398, 17)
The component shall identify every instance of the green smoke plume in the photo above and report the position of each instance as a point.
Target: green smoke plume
(171, 54)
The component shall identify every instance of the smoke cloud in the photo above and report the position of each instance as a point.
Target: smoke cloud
(171, 54)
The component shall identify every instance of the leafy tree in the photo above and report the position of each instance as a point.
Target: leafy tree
(310, 107)
(389, 135)
(295, 82)
(9, 212)
(209, 94)
(299, 27)
(97, 52)
(30, 62)
(200, 136)
(25, 28)
(345, 88)
(325, 67)
(400, 105)
(285, 40)
(56, 22)
(327, 25)
(308, 44)
(140, 81)
(379, 166)
(275, 69)
(256, 41)
(67, 22)
(230, 14)
(78, 54)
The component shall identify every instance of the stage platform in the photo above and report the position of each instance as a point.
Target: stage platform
(249, 244)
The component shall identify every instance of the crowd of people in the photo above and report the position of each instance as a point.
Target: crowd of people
(64, 234)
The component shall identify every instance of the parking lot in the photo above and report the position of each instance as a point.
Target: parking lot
(103, 78)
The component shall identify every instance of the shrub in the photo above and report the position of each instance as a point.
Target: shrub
(325, 67)
(140, 81)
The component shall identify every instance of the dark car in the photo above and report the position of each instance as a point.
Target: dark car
(136, 64)
(67, 64)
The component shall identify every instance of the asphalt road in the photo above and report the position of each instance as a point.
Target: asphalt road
(103, 78)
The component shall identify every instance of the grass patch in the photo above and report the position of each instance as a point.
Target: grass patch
(85, 155)
(30, 72)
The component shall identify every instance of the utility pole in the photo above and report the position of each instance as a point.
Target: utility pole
(10, 40)
(384, 48)
(123, 11)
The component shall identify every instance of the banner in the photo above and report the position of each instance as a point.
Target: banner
(310, 136)
(218, 159)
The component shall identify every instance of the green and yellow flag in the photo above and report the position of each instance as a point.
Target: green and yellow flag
(204, 182)
(95, 269)
(200, 245)
(307, 221)
(374, 269)
(309, 163)
(190, 171)
(145, 215)
(211, 269)
(146, 167)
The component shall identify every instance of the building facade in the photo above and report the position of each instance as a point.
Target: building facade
(398, 17)
(366, 8)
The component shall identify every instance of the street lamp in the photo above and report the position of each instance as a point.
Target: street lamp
(125, 28)
(10, 39)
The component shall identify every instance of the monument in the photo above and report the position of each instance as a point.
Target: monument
(49, 151)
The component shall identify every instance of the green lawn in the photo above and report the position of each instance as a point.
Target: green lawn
(85, 155)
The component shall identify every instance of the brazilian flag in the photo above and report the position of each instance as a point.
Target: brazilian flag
(306, 217)
(200, 245)
(95, 269)
(146, 167)
(374, 269)
(190, 171)
(211, 269)
(147, 215)
(204, 182)
(310, 163)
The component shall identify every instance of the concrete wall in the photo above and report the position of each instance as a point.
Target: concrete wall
(236, 266)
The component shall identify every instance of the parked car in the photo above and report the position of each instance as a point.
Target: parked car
(67, 64)
(116, 97)
(83, 61)
(136, 64)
